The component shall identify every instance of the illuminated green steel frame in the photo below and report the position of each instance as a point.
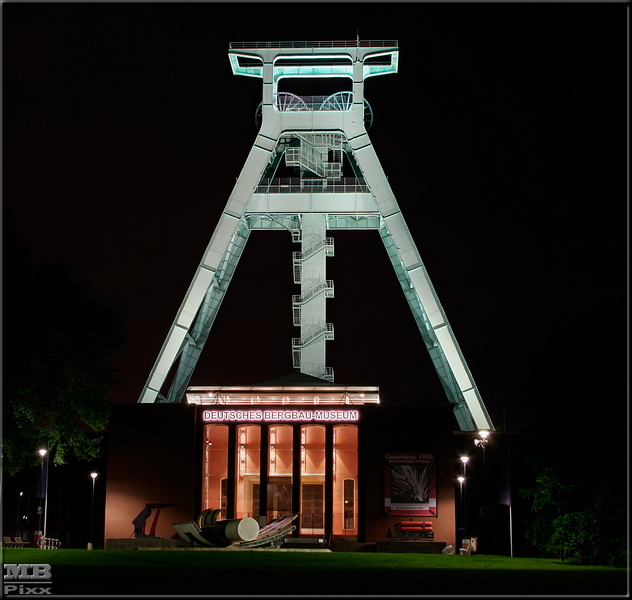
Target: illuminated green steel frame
(316, 136)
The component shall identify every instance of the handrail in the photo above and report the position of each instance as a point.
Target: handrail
(326, 242)
(295, 185)
(46, 543)
(324, 329)
(312, 290)
(316, 44)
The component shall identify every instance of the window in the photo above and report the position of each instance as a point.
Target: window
(23, 535)
(345, 479)
(247, 471)
(215, 468)
(280, 443)
(312, 480)
(349, 505)
(63, 537)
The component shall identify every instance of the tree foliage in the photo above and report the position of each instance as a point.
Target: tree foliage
(59, 338)
(580, 515)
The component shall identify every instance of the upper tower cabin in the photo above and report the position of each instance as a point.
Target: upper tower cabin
(324, 79)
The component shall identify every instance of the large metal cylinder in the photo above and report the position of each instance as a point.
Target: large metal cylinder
(224, 533)
(239, 530)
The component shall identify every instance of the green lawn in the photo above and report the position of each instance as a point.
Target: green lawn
(282, 573)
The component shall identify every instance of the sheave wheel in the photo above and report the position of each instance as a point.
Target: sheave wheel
(286, 101)
(343, 101)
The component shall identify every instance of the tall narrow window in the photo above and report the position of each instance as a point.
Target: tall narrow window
(349, 505)
(247, 471)
(345, 480)
(312, 480)
(215, 467)
(279, 472)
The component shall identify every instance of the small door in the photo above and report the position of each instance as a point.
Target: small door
(312, 506)
(279, 497)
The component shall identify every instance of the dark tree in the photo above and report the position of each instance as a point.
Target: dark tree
(578, 504)
(59, 339)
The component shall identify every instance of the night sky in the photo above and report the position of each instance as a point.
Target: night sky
(503, 135)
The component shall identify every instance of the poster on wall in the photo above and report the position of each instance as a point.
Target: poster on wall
(410, 485)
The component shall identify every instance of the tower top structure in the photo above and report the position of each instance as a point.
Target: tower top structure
(280, 63)
(314, 59)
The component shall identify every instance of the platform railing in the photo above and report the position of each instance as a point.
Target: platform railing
(48, 543)
(295, 185)
(316, 44)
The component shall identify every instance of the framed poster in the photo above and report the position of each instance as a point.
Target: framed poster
(410, 484)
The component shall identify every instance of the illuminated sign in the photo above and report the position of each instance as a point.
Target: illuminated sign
(300, 416)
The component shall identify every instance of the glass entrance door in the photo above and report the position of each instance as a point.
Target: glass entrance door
(313, 508)
(279, 497)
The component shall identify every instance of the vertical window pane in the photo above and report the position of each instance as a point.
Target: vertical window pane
(345, 479)
(215, 467)
(312, 480)
(280, 444)
(349, 505)
(247, 471)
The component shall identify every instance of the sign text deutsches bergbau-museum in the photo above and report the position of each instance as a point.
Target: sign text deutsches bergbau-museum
(300, 416)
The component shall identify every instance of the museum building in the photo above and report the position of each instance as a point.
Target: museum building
(352, 468)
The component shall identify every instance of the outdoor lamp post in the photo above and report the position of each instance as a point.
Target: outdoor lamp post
(481, 442)
(94, 475)
(464, 460)
(461, 479)
(40, 508)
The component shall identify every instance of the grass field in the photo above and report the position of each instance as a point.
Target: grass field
(282, 573)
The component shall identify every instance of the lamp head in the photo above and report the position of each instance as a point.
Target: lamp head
(43, 452)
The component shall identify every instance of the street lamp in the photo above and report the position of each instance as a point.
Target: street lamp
(461, 480)
(464, 460)
(482, 442)
(40, 508)
(94, 475)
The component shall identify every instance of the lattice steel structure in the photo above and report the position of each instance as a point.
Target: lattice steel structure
(339, 184)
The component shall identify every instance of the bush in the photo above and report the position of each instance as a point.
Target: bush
(587, 528)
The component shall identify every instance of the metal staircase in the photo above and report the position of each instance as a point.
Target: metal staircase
(318, 153)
